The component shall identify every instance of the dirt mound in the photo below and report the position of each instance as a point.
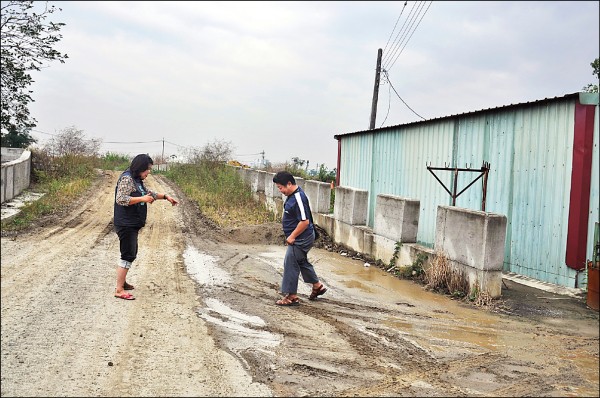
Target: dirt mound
(267, 234)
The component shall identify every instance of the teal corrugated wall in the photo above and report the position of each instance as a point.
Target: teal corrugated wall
(530, 151)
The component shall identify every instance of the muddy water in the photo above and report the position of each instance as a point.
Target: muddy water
(242, 331)
(378, 305)
(455, 324)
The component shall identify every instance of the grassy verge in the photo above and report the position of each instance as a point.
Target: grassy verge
(62, 180)
(220, 193)
(218, 189)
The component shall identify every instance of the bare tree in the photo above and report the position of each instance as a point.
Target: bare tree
(217, 151)
(72, 141)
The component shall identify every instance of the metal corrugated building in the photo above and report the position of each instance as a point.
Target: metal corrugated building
(543, 176)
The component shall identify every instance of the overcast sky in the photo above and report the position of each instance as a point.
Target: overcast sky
(285, 77)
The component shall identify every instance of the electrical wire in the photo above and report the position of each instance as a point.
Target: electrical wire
(388, 79)
(390, 67)
(399, 16)
(389, 104)
(398, 42)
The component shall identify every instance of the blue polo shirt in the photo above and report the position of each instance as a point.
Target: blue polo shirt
(296, 209)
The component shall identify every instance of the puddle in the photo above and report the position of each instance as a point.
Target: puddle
(242, 331)
(470, 335)
(451, 322)
(383, 285)
(203, 268)
(245, 329)
(13, 206)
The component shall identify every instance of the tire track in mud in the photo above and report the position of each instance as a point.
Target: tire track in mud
(181, 337)
(331, 344)
(345, 345)
(63, 333)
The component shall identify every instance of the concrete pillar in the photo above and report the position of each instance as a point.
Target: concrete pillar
(260, 182)
(271, 190)
(474, 243)
(252, 176)
(396, 218)
(319, 195)
(351, 205)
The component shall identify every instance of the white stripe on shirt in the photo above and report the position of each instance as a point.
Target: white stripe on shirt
(300, 205)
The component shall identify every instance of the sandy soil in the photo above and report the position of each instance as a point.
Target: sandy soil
(204, 321)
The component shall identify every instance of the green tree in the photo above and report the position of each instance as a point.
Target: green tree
(27, 42)
(298, 163)
(593, 88)
(16, 139)
(326, 175)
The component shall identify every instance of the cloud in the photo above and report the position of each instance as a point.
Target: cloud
(285, 77)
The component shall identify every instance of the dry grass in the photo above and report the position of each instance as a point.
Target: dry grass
(440, 276)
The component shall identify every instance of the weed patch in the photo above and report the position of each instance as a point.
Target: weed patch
(220, 193)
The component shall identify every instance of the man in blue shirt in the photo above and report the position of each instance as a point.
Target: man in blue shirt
(299, 236)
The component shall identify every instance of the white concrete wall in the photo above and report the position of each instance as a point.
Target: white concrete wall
(350, 205)
(260, 182)
(396, 218)
(472, 240)
(319, 195)
(271, 190)
(474, 243)
(16, 172)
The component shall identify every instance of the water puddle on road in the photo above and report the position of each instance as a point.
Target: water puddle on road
(204, 268)
(385, 286)
(451, 321)
(247, 330)
(242, 331)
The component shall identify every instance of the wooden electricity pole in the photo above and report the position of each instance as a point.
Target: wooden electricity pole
(375, 91)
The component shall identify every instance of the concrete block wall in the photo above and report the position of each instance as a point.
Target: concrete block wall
(474, 243)
(252, 179)
(319, 195)
(16, 172)
(271, 190)
(350, 205)
(260, 182)
(396, 218)
(472, 240)
(396, 221)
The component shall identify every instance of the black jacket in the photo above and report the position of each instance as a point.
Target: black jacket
(132, 215)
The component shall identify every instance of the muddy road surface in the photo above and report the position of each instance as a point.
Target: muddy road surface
(205, 323)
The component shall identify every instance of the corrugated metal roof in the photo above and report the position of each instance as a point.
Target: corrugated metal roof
(503, 107)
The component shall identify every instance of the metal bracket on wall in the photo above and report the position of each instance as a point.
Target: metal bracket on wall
(484, 171)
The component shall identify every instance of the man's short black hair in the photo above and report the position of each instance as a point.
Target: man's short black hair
(283, 177)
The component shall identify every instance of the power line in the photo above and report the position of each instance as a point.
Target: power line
(130, 142)
(249, 154)
(389, 105)
(388, 42)
(389, 81)
(390, 67)
(397, 42)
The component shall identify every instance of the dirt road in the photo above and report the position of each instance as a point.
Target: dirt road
(204, 322)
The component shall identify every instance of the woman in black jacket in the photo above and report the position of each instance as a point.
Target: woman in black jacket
(130, 211)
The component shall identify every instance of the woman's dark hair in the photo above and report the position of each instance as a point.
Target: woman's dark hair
(283, 177)
(139, 164)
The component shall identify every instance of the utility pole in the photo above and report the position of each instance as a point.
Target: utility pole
(376, 90)
(163, 152)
